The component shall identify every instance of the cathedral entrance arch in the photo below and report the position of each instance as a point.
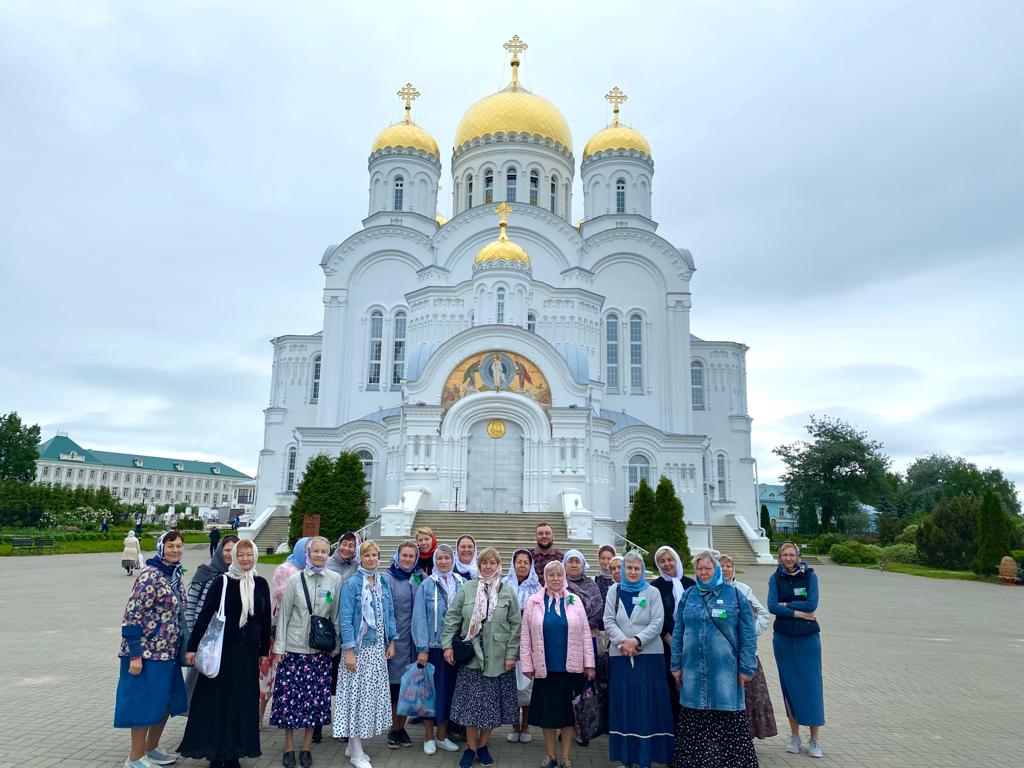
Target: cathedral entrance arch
(494, 468)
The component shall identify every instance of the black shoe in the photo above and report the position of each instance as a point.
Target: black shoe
(288, 760)
(306, 759)
(403, 738)
(343, 739)
(318, 734)
(394, 742)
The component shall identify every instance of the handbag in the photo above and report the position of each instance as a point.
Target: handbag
(322, 636)
(211, 647)
(587, 709)
(462, 650)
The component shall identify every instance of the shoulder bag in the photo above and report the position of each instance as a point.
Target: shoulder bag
(211, 647)
(322, 636)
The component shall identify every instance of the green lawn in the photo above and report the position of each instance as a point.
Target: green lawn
(109, 545)
(932, 573)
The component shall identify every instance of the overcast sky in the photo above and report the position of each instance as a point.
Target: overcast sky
(848, 177)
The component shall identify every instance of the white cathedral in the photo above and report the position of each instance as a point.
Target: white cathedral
(513, 363)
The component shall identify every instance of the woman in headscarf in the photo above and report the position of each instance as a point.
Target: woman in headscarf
(714, 652)
(604, 573)
(344, 563)
(585, 588)
(796, 640)
(302, 686)
(131, 553)
(426, 543)
(485, 613)
(639, 717)
(671, 583)
(150, 687)
(615, 566)
(465, 557)
(556, 651)
(403, 577)
(204, 576)
(524, 580)
(223, 724)
(362, 702)
(432, 600)
(760, 712)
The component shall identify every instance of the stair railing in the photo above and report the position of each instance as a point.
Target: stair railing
(617, 537)
(367, 531)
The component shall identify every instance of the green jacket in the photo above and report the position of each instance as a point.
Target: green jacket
(499, 638)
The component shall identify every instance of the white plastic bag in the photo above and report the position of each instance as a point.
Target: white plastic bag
(212, 645)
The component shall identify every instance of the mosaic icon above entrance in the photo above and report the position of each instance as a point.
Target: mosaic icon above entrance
(496, 371)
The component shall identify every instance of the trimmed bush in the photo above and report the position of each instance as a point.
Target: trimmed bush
(901, 553)
(855, 553)
(908, 535)
(824, 543)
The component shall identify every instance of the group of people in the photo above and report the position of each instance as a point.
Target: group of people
(515, 646)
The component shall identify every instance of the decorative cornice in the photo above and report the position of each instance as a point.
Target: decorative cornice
(616, 154)
(419, 154)
(374, 233)
(515, 138)
(675, 257)
(510, 264)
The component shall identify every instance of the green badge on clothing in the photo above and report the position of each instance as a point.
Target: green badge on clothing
(800, 591)
(328, 598)
(719, 613)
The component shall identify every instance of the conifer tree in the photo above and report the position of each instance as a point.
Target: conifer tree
(766, 520)
(315, 495)
(993, 535)
(669, 527)
(640, 526)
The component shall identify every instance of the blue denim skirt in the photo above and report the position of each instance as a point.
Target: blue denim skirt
(144, 699)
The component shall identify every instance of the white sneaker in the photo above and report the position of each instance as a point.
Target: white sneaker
(814, 750)
(794, 745)
(348, 749)
(140, 763)
(512, 738)
(360, 761)
(525, 737)
(448, 745)
(429, 747)
(159, 758)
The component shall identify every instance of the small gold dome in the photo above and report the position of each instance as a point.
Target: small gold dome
(617, 137)
(441, 219)
(514, 110)
(502, 249)
(406, 134)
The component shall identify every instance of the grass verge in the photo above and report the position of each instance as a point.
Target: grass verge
(88, 547)
(931, 573)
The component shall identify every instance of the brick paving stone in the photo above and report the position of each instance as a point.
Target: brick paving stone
(918, 672)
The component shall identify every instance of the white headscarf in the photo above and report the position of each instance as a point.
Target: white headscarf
(578, 555)
(529, 586)
(449, 580)
(677, 580)
(314, 570)
(246, 580)
(366, 597)
(469, 567)
(485, 603)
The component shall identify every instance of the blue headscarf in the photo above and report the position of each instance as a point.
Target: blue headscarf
(632, 587)
(396, 570)
(717, 578)
(298, 555)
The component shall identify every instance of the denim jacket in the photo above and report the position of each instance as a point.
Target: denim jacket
(350, 614)
(428, 614)
(705, 656)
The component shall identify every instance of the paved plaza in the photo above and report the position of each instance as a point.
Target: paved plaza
(918, 672)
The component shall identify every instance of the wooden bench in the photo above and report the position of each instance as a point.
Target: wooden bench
(22, 542)
(45, 542)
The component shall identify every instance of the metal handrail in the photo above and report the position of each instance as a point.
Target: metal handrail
(361, 533)
(619, 536)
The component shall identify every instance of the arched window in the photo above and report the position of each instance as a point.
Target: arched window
(289, 485)
(499, 315)
(489, 187)
(398, 353)
(612, 352)
(697, 385)
(531, 322)
(366, 459)
(399, 192)
(314, 394)
(639, 468)
(376, 347)
(510, 184)
(534, 188)
(620, 195)
(636, 353)
(720, 471)
(469, 191)
(554, 191)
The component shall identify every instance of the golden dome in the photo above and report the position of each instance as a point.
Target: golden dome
(406, 134)
(441, 219)
(616, 135)
(502, 249)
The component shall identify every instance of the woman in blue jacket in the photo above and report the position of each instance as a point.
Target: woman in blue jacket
(714, 652)
(793, 599)
(362, 702)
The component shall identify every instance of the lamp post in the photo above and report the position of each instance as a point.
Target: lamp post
(456, 484)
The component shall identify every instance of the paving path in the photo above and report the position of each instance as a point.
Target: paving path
(918, 672)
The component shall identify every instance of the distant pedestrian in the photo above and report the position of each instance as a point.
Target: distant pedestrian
(104, 525)
(131, 555)
(214, 540)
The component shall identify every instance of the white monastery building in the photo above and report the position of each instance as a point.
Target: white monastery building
(513, 363)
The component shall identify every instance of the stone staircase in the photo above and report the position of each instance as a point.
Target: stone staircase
(729, 540)
(273, 533)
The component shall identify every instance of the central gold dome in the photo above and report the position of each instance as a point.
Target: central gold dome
(514, 110)
(502, 249)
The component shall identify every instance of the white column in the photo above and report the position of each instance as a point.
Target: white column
(330, 410)
(677, 371)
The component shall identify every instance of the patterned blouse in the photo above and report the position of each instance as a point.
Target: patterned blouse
(151, 627)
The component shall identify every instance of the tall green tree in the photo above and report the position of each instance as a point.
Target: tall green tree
(889, 525)
(349, 511)
(947, 538)
(18, 448)
(316, 495)
(833, 471)
(938, 477)
(993, 535)
(669, 526)
(766, 520)
(640, 526)
(807, 521)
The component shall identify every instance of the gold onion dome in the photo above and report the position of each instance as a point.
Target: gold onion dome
(514, 110)
(406, 134)
(502, 249)
(616, 136)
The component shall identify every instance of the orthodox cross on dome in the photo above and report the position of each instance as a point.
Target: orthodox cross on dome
(408, 94)
(515, 46)
(503, 210)
(615, 97)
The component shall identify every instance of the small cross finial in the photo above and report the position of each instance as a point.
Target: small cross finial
(615, 97)
(408, 94)
(515, 46)
(503, 210)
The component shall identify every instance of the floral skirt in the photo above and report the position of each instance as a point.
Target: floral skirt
(485, 702)
(302, 691)
(760, 712)
(713, 738)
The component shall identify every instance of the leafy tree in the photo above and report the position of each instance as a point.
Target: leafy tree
(948, 537)
(766, 520)
(807, 521)
(640, 526)
(938, 477)
(834, 471)
(889, 525)
(669, 526)
(18, 448)
(993, 535)
(334, 489)
(315, 495)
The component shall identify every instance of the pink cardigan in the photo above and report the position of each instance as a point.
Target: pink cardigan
(580, 649)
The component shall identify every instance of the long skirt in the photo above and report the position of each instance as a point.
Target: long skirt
(551, 705)
(639, 716)
(670, 682)
(143, 699)
(713, 738)
(798, 658)
(485, 702)
(444, 685)
(362, 701)
(302, 691)
(760, 713)
(223, 719)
